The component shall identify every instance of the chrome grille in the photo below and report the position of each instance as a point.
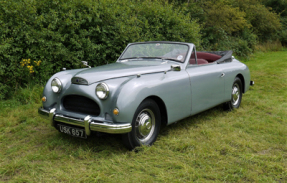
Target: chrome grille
(81, 104)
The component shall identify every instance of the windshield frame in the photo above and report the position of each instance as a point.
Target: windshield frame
(161, 42)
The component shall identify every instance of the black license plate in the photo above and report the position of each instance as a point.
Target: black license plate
(76, 132)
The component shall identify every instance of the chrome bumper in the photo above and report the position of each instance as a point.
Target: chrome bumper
(87, 123)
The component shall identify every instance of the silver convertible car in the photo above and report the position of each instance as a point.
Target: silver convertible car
(151, 84)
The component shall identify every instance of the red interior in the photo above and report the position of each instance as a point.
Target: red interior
(207, 56)
(204, 58)
(199, 61)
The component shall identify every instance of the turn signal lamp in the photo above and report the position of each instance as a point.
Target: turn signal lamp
(116, 111)
(44, 99)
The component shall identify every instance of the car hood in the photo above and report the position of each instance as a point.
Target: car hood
(119, 69)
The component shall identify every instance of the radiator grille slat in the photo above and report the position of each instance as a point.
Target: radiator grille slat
(80, 104)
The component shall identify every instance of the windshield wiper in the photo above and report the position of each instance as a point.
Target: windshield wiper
(141, 58)
(153, 57)
(130, 58)
(162, 58)
(172, 59)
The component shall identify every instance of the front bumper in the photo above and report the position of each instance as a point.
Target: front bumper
(87, 123)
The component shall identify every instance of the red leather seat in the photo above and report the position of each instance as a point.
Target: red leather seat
(199, 61)
(207, 56)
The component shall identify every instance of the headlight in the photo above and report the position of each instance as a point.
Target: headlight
(56, 85)
(102, 90)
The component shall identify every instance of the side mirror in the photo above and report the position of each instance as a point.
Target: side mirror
(175, 68)
(85, 63)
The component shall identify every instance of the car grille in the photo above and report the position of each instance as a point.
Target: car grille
(80, 104)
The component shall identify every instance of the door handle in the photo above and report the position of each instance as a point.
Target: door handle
(222, 75)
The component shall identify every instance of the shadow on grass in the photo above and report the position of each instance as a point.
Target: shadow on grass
(95, 143)
(193, 121)
(111, 143)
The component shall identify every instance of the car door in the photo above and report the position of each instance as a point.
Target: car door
(207, 85)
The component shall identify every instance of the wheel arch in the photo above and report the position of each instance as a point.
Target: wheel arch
(241, 77)
(162, 108)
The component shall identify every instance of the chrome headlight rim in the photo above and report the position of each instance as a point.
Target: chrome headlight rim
(102, 91)
(56, 85)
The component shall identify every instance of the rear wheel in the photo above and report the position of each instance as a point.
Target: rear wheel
(236, 95)
(145, 125)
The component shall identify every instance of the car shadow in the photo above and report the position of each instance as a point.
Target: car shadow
(97, 142)
(193, 121)
(112, 143)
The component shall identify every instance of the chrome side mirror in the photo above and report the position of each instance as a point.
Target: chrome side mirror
(175, 68)
(85, 63)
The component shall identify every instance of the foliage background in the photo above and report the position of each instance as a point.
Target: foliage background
(38, 38)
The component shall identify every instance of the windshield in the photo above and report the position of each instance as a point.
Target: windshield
(166, 51)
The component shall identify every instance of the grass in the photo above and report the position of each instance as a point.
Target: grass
(269, 46)
(245, 145)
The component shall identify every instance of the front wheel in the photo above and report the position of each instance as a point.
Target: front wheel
(236, 95)
(145, 125)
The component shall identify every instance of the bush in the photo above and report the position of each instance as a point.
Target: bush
(50, 34)
(283, 32)
(270, 46)
(227, 29)
(265, 23)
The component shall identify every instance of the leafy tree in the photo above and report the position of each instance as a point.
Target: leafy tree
(279, 6)
(221, 15)
(265, 23)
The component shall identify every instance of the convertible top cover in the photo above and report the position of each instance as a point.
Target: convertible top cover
(224, 56)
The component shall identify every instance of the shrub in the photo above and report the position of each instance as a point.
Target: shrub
(269, 46)
(265, 23)
(283, 32)
(61, 33)
(227, 29)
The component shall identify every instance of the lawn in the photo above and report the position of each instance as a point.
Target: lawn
(245, 145)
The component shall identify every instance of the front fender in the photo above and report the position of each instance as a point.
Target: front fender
(65, 78)
(173, 88)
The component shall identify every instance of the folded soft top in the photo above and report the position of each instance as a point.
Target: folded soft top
(215, 56)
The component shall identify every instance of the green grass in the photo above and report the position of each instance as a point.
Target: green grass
(245, 145)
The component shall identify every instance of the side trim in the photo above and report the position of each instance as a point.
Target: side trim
(87, 123)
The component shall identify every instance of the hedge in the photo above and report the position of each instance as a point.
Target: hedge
(39, 37)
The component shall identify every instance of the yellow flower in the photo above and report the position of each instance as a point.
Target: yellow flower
(30, 67)
(22, 62)
(38, 62)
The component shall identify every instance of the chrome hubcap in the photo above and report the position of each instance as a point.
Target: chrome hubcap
(145, 124)
(235, 94)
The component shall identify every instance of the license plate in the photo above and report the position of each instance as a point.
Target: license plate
(76, 132)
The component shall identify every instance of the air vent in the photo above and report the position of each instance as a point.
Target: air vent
(81, 104)
(79, 81)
